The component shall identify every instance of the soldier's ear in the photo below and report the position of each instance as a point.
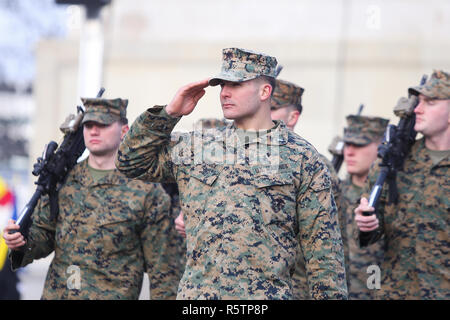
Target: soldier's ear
(293, 118)
(266, 91)
(125, 129)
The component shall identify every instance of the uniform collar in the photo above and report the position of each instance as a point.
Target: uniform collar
(419, 154)
(277, 136)
(82, 174)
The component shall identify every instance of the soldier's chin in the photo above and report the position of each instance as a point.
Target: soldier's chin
(99, 153)
(418, 127)
(352, 170)
(228, 115)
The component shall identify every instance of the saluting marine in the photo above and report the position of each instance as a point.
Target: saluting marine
(250, 192)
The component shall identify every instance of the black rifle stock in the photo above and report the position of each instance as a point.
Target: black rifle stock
(396, 145)
(53, 167)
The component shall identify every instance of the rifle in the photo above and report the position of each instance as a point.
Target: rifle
(392, 151)
(336, 147)
(53, 167)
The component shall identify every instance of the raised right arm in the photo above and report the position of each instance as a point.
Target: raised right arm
(145, 152)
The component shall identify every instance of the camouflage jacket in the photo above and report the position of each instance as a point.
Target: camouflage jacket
(243, 218)
(300, 290)
(107, 234)
(416, 230)
(359, 259)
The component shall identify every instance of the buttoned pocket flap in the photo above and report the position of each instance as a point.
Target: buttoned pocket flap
(263, 180)
(204, 173)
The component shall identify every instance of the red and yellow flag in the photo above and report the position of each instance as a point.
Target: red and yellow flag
(6, 198)
(5, 194)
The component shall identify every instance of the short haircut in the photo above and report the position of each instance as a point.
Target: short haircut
(270, 81)
(297, 107)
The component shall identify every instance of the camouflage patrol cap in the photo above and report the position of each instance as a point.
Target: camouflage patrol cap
(240, 65)
(436, 87)
(104, 111)
(362, 130)
(286, 93)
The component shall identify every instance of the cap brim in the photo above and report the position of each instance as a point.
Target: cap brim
(356, 141)
(228, 77)
(422, 90)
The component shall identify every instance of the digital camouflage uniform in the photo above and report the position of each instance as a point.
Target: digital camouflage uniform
(416, 230)
(243, 218)
(111, 231)
(360, 130)
(172, 188)
(289, 94)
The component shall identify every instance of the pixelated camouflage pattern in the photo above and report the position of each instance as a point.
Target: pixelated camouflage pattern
(114, 230)
(358, 259)
(416, 230)
(172, 188)
(105, 111)
(362, 130)
(436, 87)
(300, 290)
(176, 241)
(287, 93)
(242, 65)
(243, 222)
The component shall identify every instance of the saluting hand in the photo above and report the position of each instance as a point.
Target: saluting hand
(186, 98)
(365, 223)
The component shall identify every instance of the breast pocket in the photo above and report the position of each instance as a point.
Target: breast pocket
(196, 183)
(117, 233)
(205, 173)
(276, 194)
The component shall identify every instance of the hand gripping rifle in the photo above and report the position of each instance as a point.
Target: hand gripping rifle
(336, 147)
(53, 167)
(396, 145)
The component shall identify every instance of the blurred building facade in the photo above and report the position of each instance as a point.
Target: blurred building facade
(342, 52)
